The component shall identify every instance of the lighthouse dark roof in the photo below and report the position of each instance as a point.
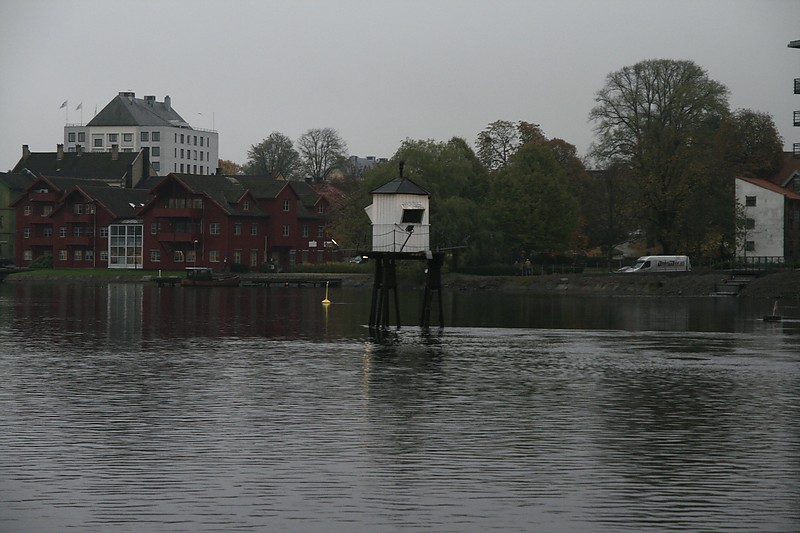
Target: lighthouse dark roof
(400, 186)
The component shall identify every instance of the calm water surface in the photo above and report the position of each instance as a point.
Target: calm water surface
(125, 407)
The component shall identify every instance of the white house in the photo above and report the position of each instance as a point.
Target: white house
(400, 216)
(772, 221)
(131, 123)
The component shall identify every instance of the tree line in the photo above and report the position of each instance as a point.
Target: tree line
(662, 167)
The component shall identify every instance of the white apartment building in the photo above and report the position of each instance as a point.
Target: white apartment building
(133, 123)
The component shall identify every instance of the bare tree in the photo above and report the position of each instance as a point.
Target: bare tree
(321, 151)
(275, 155)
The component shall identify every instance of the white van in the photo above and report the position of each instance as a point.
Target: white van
(660, 263)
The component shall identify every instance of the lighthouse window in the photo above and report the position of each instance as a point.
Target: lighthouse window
(412, 216)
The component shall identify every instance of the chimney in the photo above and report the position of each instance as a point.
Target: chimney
(26, 153)
(149, 99)
(168, 103)
(114, 152)
(59, 152)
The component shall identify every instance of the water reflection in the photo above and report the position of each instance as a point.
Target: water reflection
(128, 407)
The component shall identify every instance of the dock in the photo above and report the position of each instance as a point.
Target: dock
(290, 280)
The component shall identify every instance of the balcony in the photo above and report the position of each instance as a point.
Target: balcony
(174, 236)
(177, 212)
(39, 241)
(796, 150)
(39, 196)
(73, 218)
(797, 86)
(797, 118)
(72, 240)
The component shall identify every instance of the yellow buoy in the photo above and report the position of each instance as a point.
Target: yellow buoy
(326, 301)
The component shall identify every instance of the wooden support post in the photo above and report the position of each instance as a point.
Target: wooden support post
(433, 283)
(383, 286)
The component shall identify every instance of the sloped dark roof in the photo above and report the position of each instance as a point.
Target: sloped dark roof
(86, 165)
(124, 110)
(16, 182)
(122, 203)
(305, 192)
(262, 186)
(400, 186)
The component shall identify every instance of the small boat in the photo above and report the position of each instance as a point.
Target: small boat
(205, 277)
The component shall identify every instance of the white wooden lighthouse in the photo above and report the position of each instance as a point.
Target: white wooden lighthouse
(401, 230)
(400, 216)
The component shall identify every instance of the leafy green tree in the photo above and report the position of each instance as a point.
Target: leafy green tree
(750, 142)
(655, 117)
(322, 150)
(273, 156)
(531, 202)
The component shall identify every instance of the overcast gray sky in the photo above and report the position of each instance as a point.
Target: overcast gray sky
(377, 71)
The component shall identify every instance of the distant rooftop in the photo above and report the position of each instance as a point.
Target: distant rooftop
(127, 110)
(794, 44)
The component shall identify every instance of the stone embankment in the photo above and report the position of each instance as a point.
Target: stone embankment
(779, 284)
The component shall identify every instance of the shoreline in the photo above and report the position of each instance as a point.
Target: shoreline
(784, 284)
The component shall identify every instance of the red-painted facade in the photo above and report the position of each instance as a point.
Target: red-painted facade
(247, 223)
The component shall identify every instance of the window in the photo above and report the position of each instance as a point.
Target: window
(181, 167)
(155, 256)
(156, 166)
(71, 137)
(97, 141)
(253, 258)
(237, 256)
(47, 232)
(127, 138)
(89, 255)
(104, 232)
(181, 153)
(285, 230)
(237, 228)
(154, 228)
(320, 231)
(214, 228)
(305, 230)
(155, 151)
(195, 169)
(77, 231)
(77, 255)
(213, 256)
(201, 141)
(77, 209)
(62, 231)
(750, 201)
(145, 136)
(27, 255)
(26, 233)
(62, 255)
(195, 155)
(182, 142)
(750, 246)
(81, 136)
(412, 216)
(191, 256)
(246, 205)
(201, 155)
(254, 228)
(104, 256)
(321, 209)
(286, 205)
(113, 138)
(750, 223)
(27, 211)
(178, 256)
(156, 136)
(195, 140)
